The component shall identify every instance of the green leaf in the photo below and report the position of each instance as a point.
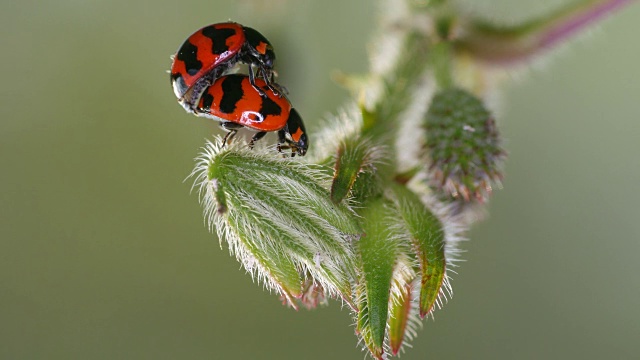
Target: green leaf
(377, 252)
(279, 220)
(270, 263)
(400, 312)
(354, 157)
(426, 234)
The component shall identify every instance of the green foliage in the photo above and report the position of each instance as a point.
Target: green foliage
(279, 222)
(354, 157)
(426, 236)
(377, 252)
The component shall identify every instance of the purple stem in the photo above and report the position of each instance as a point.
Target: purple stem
(577, 22)
(509, 45)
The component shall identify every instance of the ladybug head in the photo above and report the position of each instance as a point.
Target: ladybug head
(259, 48)
(294, 133)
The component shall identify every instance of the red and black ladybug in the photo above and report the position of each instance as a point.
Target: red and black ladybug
(234, 101)
(214, 49)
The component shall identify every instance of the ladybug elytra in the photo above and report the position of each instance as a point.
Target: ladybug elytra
(233, 100)
(211, 51)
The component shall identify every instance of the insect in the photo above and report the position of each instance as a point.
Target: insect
(236, 103)
(209, 52)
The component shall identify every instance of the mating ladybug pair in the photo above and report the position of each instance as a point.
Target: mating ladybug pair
(255, 101)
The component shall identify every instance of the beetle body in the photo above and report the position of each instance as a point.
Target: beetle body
(211, 51)
(236, 103)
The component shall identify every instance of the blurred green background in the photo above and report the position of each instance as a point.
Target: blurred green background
(103, 251)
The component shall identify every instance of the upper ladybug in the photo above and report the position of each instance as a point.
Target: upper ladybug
(211, 51)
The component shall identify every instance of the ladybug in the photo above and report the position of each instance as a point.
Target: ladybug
(214, 49)
(235, 102)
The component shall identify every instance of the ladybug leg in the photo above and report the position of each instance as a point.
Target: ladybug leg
(228, 137)
(281, 147)
(232, 129)
(252, 80)
(281, 140)
(279, 89)
(256, 137)
(269, 77)
(283, 144)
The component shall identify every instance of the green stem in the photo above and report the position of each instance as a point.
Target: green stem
(441, 62)
(381, 124)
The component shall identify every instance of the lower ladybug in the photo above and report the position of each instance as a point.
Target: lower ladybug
(234, 101)
(212, 50)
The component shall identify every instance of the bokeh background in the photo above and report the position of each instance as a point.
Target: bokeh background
(103, 251)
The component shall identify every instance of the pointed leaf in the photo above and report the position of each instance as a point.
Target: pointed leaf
(377, 253)
(427, 236)
(399, 319)
(353, 157)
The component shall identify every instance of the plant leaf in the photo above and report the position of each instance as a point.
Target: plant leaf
(354, 157)
(377, 252)
(400, 312)
(279, 220)
(426, 234)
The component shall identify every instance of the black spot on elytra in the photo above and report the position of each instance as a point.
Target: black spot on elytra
(188, 53)
(294, 122)
(207, 100)
(254, 39)
(231, 93)
(269, 107)
(218, 38)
